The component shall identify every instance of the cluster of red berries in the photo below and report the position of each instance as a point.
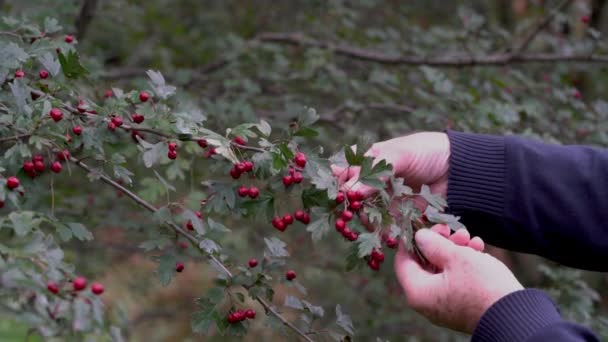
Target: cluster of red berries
(241, 167)
(189, 224)
(172, 153)
(294, 176)
(137, 118)
(281, 223)
(36, 166)
(375, 259)
(355, 203)
(252, 192)
(240, 315)
(115, 121)
(78, 284)
(203, 144)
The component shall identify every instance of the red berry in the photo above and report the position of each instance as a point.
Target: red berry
(254, 192)
(189, 225)
(179, 266)
(117, 121)
(172, 146)
(287, 180)
(287, 219)
(77, 130)
(391, 242)
(28, 166)
(183, 244)
(43, 74)
(299, 215)
(243, 191)
(79, 283)
(290, 275)
(248, 166)
(297, 177)
(12, 182)
(210, 152)
(1, 204)
(69, 38)
(63, 155)
(97, 288)
(39, 165)
(306, 218)
(56, 167)
(234, 173)
(353, 236)
(111, 126)
(278, 223)
(340, 197)
(137, 118)
(373, 264)
(291, 171)
(355, 205)
(172, 154)
(144, 96)
(199, 214)
(239, 141)
(52, 287)
(81, 107)
(202, 143)
(19, 74)
(231, 319)
(250, 313)
(135, 134)
(108, 93)
(253, 262)
(240, 167)
(300, 159)
(340, 225)
(377, 255)
(586, 19)
(347, 215)
(578, 95)
(239, 315)
(56, 114)
(38, 157)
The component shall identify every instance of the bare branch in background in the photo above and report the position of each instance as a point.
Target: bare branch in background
(87, 12)
(540, 25)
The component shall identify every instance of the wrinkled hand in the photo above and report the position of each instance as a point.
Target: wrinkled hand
(463, 284)
(420, 158)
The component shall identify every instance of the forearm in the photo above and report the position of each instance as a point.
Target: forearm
(532, 197)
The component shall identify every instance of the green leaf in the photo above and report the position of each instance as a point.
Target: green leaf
(306, 132)
(319, 228)
(197, 223)
(436, 217)
(373, 214)
(314, 309)
(153, 154)
(80, 231)
(217, 226)
(293, 302)
(166, 268)
(321, 176)
(354, 156)
(275, 247)
(312, 197)
(286, 152)
(366, 243)
(153, 244)
(264, 128)
(309, 117)
(343, 320)
(374, 175)
(22, 222)
(399, 188)
(11, 56)
(209, 246)
(71, 66)
(434, 200)
(65, 233)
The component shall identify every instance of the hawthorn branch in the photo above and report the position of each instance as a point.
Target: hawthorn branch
(144, 204)
(540, 25)
(87, 11)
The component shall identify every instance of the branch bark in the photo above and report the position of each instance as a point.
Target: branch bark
(142, 203)
(540, 25)
(87, 12)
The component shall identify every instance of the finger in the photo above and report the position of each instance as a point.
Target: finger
(437, 249)
(442, 230)
(417, 283)
(342, 174)
(477, 244)
(461, 237)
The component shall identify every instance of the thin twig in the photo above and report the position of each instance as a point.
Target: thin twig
(15, 137)
(540, 25)
(141, 202)
(87, 11)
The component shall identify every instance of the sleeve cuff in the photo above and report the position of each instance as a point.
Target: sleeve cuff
(516, 317)
(476, 178)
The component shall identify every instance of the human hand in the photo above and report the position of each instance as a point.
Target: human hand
(420, 158)
(463, 284)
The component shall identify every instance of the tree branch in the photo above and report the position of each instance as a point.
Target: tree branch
(540, 25)
(87, 11)
(141, 202)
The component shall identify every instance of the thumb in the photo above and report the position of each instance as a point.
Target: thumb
(437, 249)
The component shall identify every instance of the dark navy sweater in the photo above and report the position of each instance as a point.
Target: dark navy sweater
(531, 197)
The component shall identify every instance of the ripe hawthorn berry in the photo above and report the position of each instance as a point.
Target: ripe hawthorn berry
(183, 244)
(111, 126)
(43, 74)
(250, 314)
(290, 275)
(69, 38)
(253, 262)
(351, 195)
(239, 141)
(586, 19)
(243, 191)
(179, 266)
(63, 155)
(172, 154)
(79, 283)
(28, 166)
(19, 74)
(38, 157)
(172, 145)
(108, 93)
(578, 95)
(340, 197)
(97, 289)
(248, 166)
(201, 142)
(347, 215)
(355, 205)
(52, 287)
(81, 107)
(117, 121)
(240, 167)
(340, 225)
(373, 264)
(234, 173)
(287, 219)
(77, 130)
(210, 152)
(39, 165)
(300, 159)
(56, 114)
(137, 118)
(1, 204)
(12, 182)
(306, 218)
(391, 242)
(299, 215)
(287, 180)
(56, 167)
(144, 96)
(254, 192)
(278, 223)
(189, 225)
(297, 177)
(199, 214)
(377, 255)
